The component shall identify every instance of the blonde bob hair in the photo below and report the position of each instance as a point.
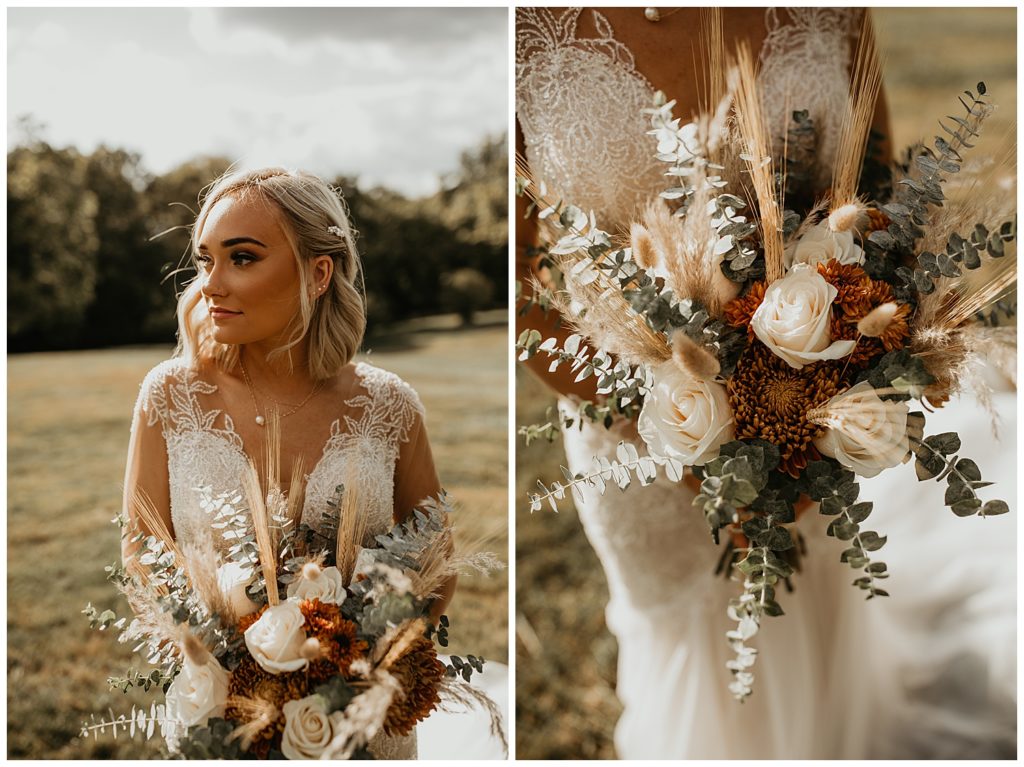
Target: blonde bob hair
(316, 224)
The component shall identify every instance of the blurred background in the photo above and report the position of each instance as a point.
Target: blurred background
(566, 658)
(116, 119)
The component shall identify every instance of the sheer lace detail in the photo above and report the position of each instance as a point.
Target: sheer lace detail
(805, 65)
(360, 455)
(365, 451)
(579, 102)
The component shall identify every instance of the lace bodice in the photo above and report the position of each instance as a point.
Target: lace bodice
(205, 451)
(579, 101)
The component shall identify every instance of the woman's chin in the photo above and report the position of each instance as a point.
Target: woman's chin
(228, 337)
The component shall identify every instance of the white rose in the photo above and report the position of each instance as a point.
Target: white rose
(820, 244)
(308, 728)
(793, 318)
(865, 433)
(315, 583)
(275, 640)
(198, 692)
(685, 418)
(232, 578)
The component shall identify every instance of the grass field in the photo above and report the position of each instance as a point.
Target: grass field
(68, 420)
(565, 674)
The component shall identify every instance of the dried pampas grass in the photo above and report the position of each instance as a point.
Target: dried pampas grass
(693, 359)
(201, 559)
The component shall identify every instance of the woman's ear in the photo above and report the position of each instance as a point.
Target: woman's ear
(323, 272)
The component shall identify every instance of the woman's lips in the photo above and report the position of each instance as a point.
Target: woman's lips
(223, 314)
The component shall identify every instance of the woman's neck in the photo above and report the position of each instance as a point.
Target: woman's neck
(281, 376)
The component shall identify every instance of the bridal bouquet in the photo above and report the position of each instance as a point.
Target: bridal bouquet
(769, 319)
(296, 643)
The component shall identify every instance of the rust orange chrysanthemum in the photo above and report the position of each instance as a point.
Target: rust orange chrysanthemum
(852, 284)
(770, 401)
(858, 295)
(420, 674)
(739, 311)
(339, 641)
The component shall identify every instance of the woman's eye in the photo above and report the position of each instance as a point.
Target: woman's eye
(241, 258)
(203, 261)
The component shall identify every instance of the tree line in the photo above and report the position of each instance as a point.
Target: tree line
(85, 267)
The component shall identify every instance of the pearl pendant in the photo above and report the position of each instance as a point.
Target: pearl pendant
(260, 420)
(651, 14)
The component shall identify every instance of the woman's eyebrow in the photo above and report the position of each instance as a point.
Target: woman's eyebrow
(235, 241)
(241, 240)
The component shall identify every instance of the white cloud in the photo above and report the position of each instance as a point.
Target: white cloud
(312, 92)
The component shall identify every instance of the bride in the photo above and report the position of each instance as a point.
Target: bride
(583, 79)
(269, 327)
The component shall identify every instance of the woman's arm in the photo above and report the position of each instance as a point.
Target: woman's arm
(415, 480)
(550, 324)
(146, 479)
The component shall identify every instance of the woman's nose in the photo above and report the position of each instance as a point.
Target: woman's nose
(212, 285)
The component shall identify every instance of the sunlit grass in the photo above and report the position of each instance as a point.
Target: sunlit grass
(68, 421)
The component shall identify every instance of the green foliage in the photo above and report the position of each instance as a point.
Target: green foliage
(135, 678)
(935, 458)
(899, 370)
(959, 252)
(733, 480)
(464, 292)
(211, 741)
(464, 668)
(801, 161)
(52, 246)
(337, 694)
(836, 490)
(922, 190)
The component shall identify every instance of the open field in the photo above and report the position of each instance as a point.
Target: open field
(68, 420)
(566, 658)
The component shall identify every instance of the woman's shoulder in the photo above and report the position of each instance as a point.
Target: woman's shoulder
(383, 384)
(155, 390)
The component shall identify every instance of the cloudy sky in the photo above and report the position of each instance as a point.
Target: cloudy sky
(389, 95)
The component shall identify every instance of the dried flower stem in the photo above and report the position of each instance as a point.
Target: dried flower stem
(756, 141)
(865, 85)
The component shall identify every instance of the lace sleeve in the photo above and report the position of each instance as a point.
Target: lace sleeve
(415, 474)
(146, 474)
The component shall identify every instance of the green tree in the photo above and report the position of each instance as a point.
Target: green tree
(51, 246)
(126, 267)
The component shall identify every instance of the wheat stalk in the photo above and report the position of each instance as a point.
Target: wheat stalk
(756, 141)
(865, 85)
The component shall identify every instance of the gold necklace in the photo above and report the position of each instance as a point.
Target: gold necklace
(653, 15)
(260, 420)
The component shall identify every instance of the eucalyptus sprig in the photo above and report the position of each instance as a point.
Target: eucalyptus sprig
(936, 459)
(619, 472)
(835, 488)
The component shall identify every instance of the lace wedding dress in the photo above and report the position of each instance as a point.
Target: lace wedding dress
(837, 677)
(376, 428)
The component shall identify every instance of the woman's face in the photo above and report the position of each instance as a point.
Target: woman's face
(250, 278)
